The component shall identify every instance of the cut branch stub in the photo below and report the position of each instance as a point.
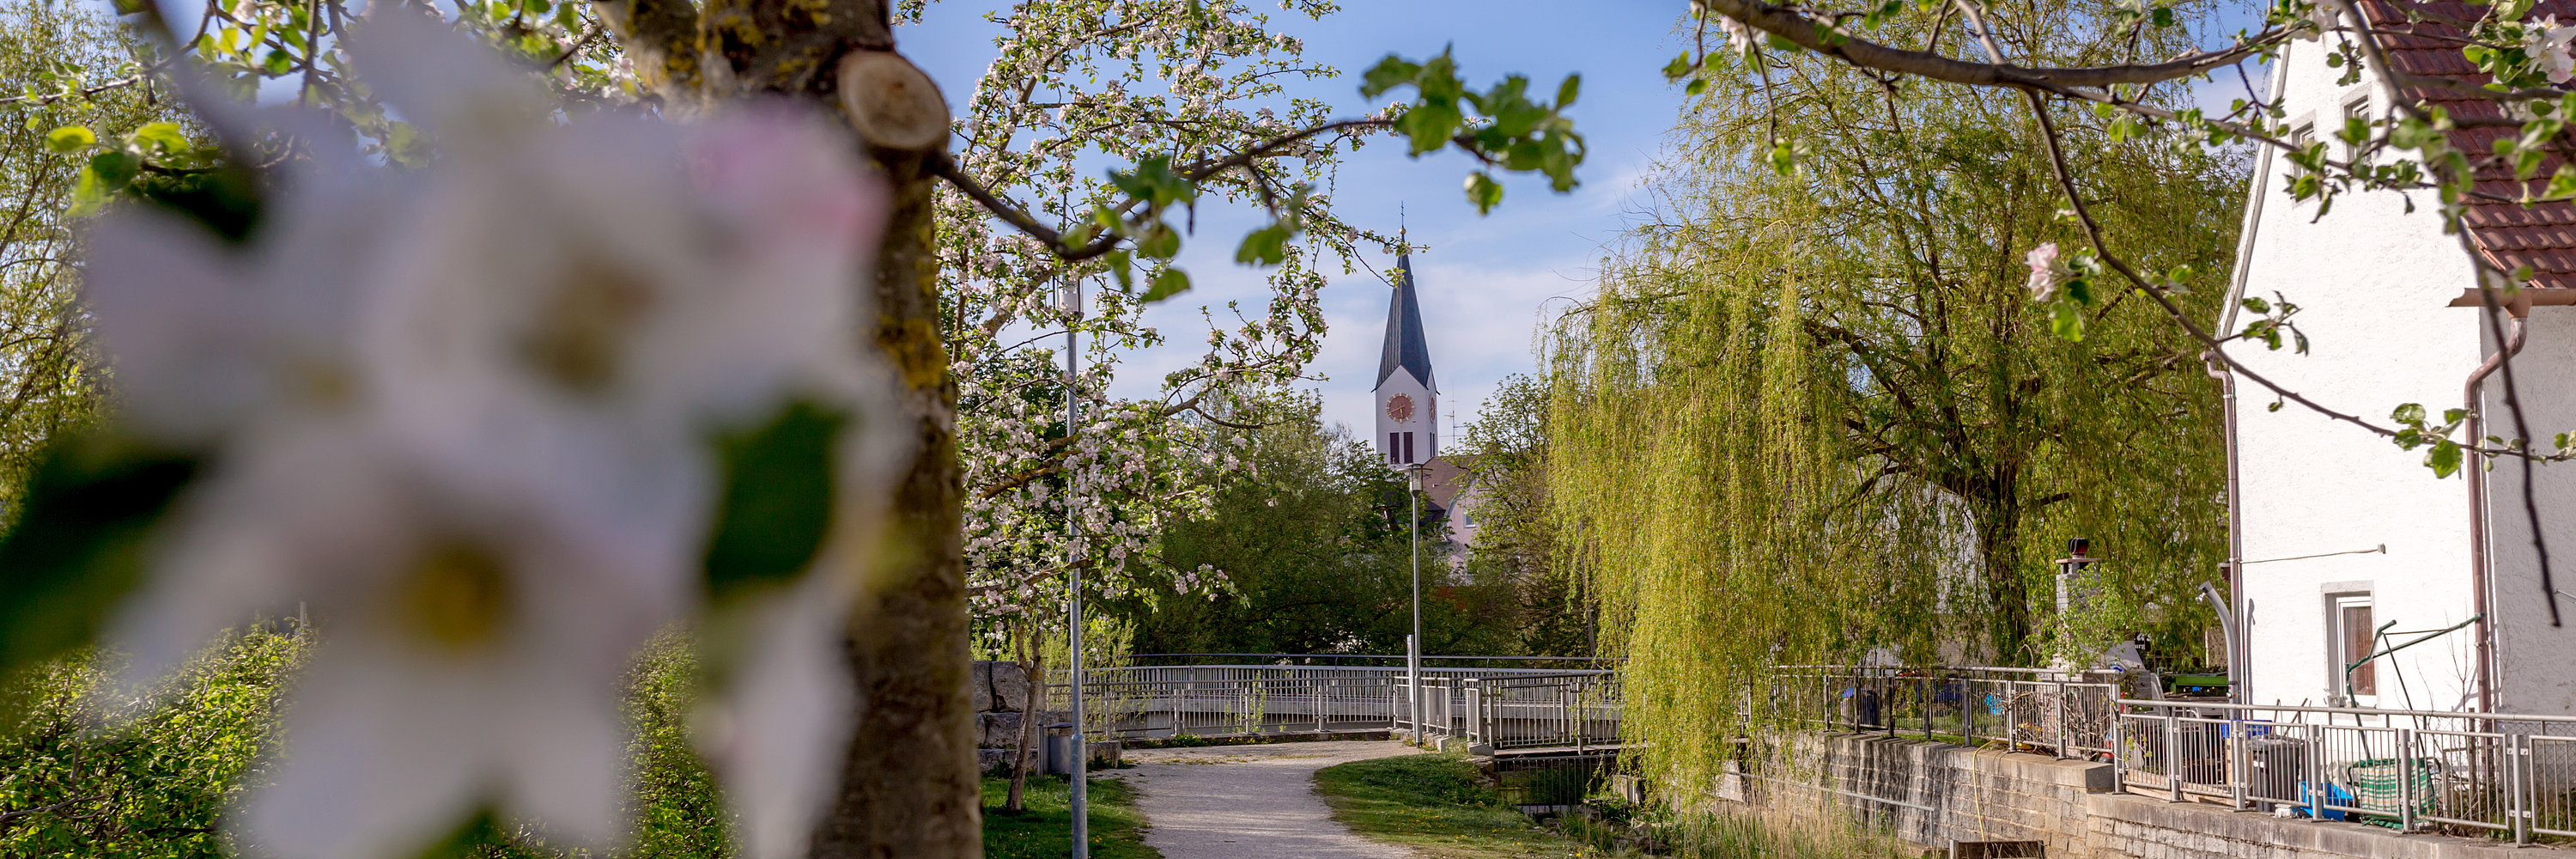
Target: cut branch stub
(891, 103)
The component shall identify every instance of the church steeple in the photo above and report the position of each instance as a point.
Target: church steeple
(1407, 395)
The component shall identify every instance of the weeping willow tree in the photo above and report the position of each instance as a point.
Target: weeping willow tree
(1813, 411)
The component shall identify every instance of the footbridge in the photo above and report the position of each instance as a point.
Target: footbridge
(1502, 704)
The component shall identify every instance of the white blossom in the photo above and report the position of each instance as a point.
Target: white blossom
(2549, 44)
(1738, 36)
(462, 416)
(2046, 271)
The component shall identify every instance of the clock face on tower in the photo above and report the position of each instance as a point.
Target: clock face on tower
(1400, 407)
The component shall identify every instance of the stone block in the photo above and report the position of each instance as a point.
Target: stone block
(998, 729)
(1010, 687)
(980, 687)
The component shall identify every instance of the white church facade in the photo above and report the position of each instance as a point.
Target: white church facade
(2348, 545)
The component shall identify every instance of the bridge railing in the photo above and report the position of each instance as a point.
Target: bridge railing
(2069, 714)
(1160, 701)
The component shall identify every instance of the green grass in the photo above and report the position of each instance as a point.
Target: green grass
(1434, 804)
(1046, 828)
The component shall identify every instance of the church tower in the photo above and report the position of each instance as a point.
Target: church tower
(1407, 396)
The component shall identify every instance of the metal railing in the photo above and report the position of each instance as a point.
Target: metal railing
(2511, 776)
(2506, 775)
(1161, 701)
(2068, 714)
(1577, 710)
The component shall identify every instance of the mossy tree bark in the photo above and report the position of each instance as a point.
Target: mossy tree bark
(908, 783)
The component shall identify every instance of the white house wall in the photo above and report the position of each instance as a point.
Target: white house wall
(2536, 663)
(2372, 282)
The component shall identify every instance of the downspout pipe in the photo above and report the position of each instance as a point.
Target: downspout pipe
(2240, 657)
(2481, 580)
(2239, 662)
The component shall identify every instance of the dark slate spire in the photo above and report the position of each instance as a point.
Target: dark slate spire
(1404, 344)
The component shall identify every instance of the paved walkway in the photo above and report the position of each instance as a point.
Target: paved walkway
(1250, 802)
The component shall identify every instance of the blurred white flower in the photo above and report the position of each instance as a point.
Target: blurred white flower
(2046, 271)
(1738, 36)
(464, 417)
(2323, 15)
(2549, 45)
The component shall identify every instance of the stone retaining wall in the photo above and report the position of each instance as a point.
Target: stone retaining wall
(1934, 793)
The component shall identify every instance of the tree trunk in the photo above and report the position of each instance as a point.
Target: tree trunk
(2007, 594)
(908, 781)
(1032, 661)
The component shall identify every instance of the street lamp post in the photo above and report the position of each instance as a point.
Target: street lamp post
(1080, 797)
(1413, 643)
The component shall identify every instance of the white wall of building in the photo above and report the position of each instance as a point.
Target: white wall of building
(2536, 663)
(2373, 282)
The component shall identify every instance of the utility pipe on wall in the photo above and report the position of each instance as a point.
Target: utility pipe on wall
(2239, 663)
(2481, 583)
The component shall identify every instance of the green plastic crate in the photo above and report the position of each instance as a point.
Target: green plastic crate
(2377, 785)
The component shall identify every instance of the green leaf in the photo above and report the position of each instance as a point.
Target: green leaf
(1160, 241)
(2410, 413)
(1389, 73)
(69, 139)
(116, 168)
(1170, 282)
(2067, 321)
(164, 135)
(78, 546)
(1483, 192)
(1783, 158)
(1566, 91)
(1266, 246)
(2444, 458)
(776, 505)
(1122, 265)
(1154, 182)
(1680, 67)
(1429, 125)
(88, 195)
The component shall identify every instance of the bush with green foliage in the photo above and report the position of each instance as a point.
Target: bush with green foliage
(89, 771)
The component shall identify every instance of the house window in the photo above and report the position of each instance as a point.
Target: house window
(1408, 448)
(1394, 448)
(2357, 107)
(2353, 628)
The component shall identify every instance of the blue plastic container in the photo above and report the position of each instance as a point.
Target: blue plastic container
(2335, 795)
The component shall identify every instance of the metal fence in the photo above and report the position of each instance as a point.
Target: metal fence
(2067, 714)
(1161, 701)
(1576, 710)
(2507, 776)
(2503, 775)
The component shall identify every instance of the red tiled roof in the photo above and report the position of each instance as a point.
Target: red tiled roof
(2511, 235)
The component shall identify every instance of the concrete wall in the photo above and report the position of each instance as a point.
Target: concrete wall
(1934, 793)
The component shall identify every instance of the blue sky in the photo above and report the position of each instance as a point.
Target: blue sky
(1485, 281)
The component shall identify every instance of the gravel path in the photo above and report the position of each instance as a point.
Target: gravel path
(1253, 802)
